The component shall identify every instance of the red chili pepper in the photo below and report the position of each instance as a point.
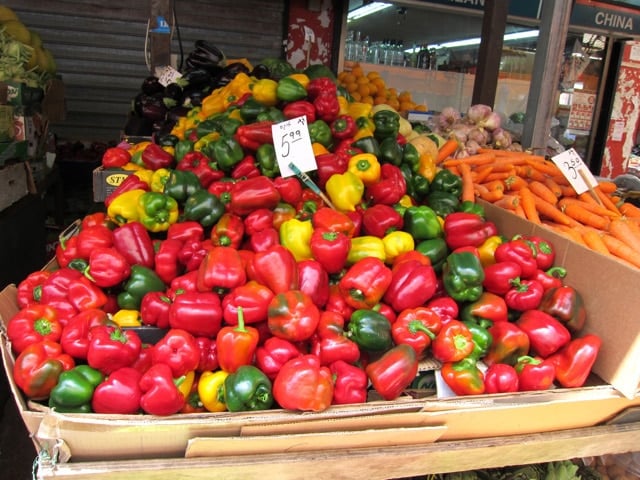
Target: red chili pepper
(534, 373)
(115, 157)
(199, 313)
(412, 284)
(160, 395)
(245, 168)
(75, 337)
(38, 367)
(344, 126)
(275, 268)
(498, 276)
(107, 267)
(416, 327)
(390, 188)
(463, 377)
(380, 219)
(453, 342)
(350, 383)
(93, 237)
(133, 241)
(524, 295)
(500, 378)
(228, 231)
(236, 345)
(252, 135)
(292, 315)
(289, 188)
(327, 106)
(177, 349)
(313, 280)
(509, 343)
(304, 384)
(154, 309)
(119, 394)
(519, 251)
(155, 157)
(298, 109)
(464, 229)
(32, 324)
(132, 182)
(546, 334)
(30, 289)
(221, 269)
(393, 371)
(363, 285)
(252, 297)
(574, 361)
(167, 265)
(111, 348)
(273, 354)
(567, 305)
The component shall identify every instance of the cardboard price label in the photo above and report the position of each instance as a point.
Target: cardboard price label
(575, 171)
(167, 75)
(293, 146)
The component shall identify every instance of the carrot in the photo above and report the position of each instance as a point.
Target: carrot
(607, 186)
(566, 231)
(543, 191)
(446, 150)
(498, 176)
(606, 200)
(515, 182)
(529, 173)
(621, 230)
(562, 181)
(552, 212)
(527, 200)
(553, 186)
(519, 210)
(480, 174)
(492, 196)
(592, 207)
(477, 159)
(468, 193)
(593, 239)
(585, 217)
(508, 202)
(628, 209)
(546, 167)
(621, 250)
(568, 191)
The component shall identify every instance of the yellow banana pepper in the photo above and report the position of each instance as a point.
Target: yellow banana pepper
(127, 318)
(158, 179)
(427, 166)
(397, 243)
(366, 246)
(264, 91)
(210, 390)
(124, 208)
(366, 167)
(345, 190)
(296, 236)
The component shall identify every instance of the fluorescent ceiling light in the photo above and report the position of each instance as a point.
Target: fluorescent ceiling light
(367, 10)
(476, 41)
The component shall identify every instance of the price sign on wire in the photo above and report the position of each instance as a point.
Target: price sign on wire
(293, 146)
(167, 75)
(575, 171)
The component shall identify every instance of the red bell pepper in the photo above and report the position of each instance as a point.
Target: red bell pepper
(308, 204)
(192, 253)
(329, 219)
(236, 345)
(144, 360)
(167, 265)
(208, 354)
(344, 126)
(393, 371)
(327, 106)
(524, 295)
(509, 343)
(133, 241)
(93, 237)
(551, 278)
(252, 135)
(273, 354)
(29, 289)
(160, 395)
(501, 378)
(498, 276)
(33, 324)
(155, 157)
(380, 219)
(329, 164)
(534, 373)
(336, 302)
(200, 165)
(186, 231)
(187, 282)
(258, 220)
(96, 218)
(75, 336)
(263, 240)
(320, 86)
(276, 268)
(446, 308)
(304, 384)
(412, 284)
(111, 348)
(313, 280)
(289, 188)
(391, 187)
(228, 231)
(119, 394)
(546, 334)
(465, 229)
(349, 384)
(519, 251)
(222, 189)
(221, 269)
(330, 342)
(363, 285)
(132, 182)
(566, 304)
(69, 292)
(453, 342)
(107, 267)
(178, 349)
(574, 361)
(299, 108)
(292, 315)
(252, 297)
(154, 309)
(463, 377)
(199, 313)
(245, 168)
(66, 251)
(252, 193)
(545, 251)
(416, 327)
(38, 367)
(489, 306)
(115, 157)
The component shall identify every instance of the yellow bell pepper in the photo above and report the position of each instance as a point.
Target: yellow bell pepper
(203, 141)
(427, 166)
(301, 78)
(144, 174)
(264, 91)
(245, 61)
(186, 382)
(170, 149)
(179, 128)
(366, 167)
(124, 208)
(344, 105)
(397, 243)
(158, 179)
(127, 318)
(131, 167)
(359, 109)
(366, 246)
(137, 147)
(210, 388)
(296, 236)
(236, 89)
(318, 149)
(406, 201)
(487, 250)
(235, 114)
(345, 190)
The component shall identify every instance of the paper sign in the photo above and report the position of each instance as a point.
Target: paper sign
(293, 145)
(167, 75)
(574, 170)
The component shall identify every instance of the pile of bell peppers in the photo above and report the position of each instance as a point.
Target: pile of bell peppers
(266, 297)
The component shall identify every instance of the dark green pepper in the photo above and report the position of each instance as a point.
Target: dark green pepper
(74, 390)
(181, 184)
(443, 203)
(417, 185)
(446, 181)
(411, 157)
(290, 90)
(168, 140)
(370, 329)
(422, 223)
(141, 281)
(320, 132)
(182, 148)
(436, 249)
(482, 339)
(462, 276)
(203, 207)
(472, 207)
(221, 123)
(247, 389)
(272, 114)
(390, 151)
(368, 145)
(267, 161)
(386, 123)
(250, 110)
(227, 152)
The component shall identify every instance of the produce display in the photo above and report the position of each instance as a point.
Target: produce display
(260, 294)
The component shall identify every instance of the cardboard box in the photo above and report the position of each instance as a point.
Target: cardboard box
(607, 287)
(20, 94)
(15, 181)
(54, 106)
(105, 181)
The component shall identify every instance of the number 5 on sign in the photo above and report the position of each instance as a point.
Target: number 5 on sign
(293, 145)
(575, 171)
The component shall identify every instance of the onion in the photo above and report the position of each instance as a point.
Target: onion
(492, 121)
(460, 132)
(461, 153)
(478, 113)
(478, 135)
(472, 147)
(501, 138)
(515, 147)
(448, 116)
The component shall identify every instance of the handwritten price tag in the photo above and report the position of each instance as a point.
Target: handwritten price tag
(293, 145)
(575, 171)
(167, 75)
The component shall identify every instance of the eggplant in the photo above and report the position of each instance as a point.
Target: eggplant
(196, 60)
(174, 114)
(153, 107)
(213, 53)
(229, 73)
(260, 71)
(193, 96)
(172, 95)
(151, 85)
(195, 77)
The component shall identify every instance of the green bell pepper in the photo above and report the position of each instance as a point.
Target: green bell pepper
(203, 207)
(482, 339)
(182, 148)
(320, 132)
(267, 161)
(386, 124)
(250, 109)
(390, 151)
(220, 123)
(417, 185)
(272, 114)
(290, 90)
(141, 281)
(74, 390)
(436, 250)
(443, 203)
(462, 276)
(446, 181)
(157, 211)
(422, 223)
(368, 145)
(411, 157)
(247, 389)
(181, 184)
(227, 152)
(370, 329)
(472, 207)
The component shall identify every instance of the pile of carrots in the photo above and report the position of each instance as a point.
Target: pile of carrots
(535, 188)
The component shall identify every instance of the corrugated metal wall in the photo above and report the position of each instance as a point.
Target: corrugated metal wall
(99, 49)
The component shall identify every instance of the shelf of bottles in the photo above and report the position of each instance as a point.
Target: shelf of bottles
(392, 52)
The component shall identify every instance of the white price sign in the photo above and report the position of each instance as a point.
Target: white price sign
(167, 75)
(293, 145)
(575, 171)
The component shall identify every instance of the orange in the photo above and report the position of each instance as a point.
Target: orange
(379, 82)
(404, 96)
(351, 87)
(372, 75)
(356, 96)
(348, 77)
(368, 99)
(357, 71)
(363, 89)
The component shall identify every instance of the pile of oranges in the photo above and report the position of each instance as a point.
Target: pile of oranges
(371, 88)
